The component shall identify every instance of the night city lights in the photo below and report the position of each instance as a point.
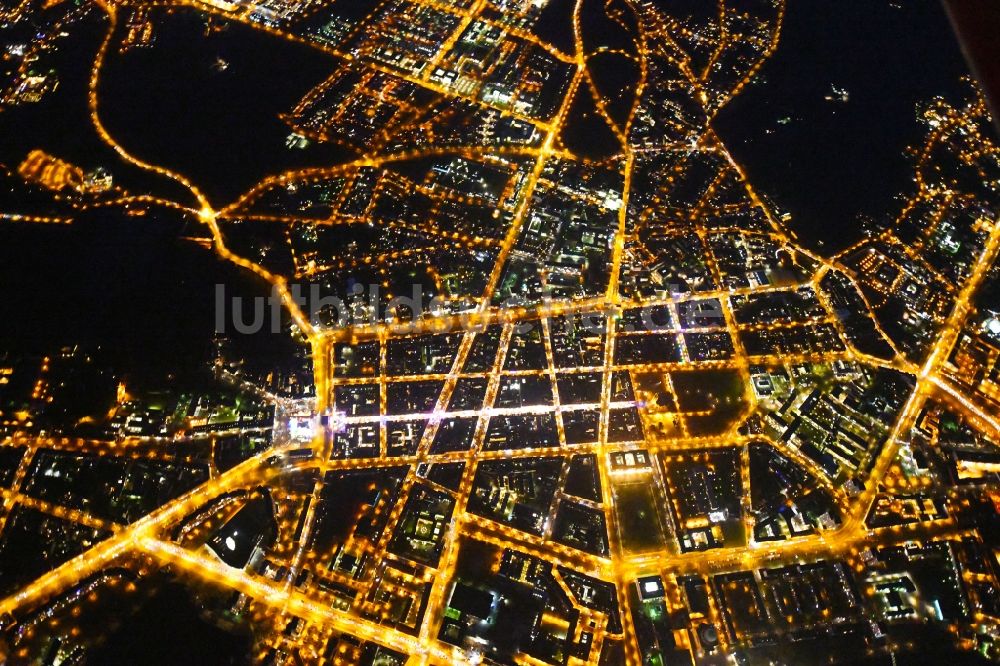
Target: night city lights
(512, 332)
